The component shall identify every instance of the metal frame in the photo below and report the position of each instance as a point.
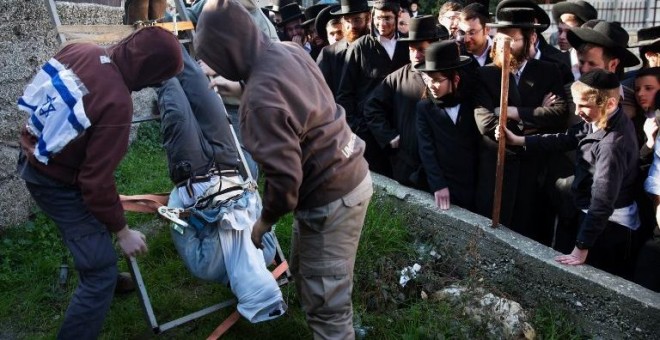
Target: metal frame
(157, 328)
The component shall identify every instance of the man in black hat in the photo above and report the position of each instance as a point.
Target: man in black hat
(315, 41)
(390, 111)
(648, 41)
(368, 62)
(328, 27)
(569, 14)
(356, 17)
(542, 50)
(604, 45)
(291, 25)
(605, 174)
(447, 134)
(536, 104)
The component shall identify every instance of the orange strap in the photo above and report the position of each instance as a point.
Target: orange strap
(144, 203)
(233, 318)
(224, 326)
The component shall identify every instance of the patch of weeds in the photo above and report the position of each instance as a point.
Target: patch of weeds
(553, 322)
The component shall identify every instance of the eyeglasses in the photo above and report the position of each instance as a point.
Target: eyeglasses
(450, 16)
(472, 33)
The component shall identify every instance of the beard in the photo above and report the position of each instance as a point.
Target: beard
(352, 35)
(516, 58)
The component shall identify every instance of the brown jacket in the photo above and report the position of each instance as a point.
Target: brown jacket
(88, 162)
(289, 121)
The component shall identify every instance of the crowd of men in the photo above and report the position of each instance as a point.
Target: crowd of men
(358, 87)
(444, 140)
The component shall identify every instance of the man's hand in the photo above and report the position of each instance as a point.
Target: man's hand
(207, 69)
(575, 258)
(131, 242)
(226, 87)
(298, 40)
(258, 230)
(511, 138)
(442, 198)
(549, 99)
(394, 143)
(651, 131)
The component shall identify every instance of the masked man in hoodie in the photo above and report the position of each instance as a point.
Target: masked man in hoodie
(311, 161)
(80, 110)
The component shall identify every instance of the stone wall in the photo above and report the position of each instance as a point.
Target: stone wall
(606, 306)
(27, 40)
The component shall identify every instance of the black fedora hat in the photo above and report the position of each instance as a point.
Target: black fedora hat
(607, 34)
(441, 56)
(387, 5)
(539, 14)
(277, 4)
(581, 9)
(312, 12)
(647, 36)
(352, 7)
(289, 13)
(515, 17)
(322, 20)
(425, 28)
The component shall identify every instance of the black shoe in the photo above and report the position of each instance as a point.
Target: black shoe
(125, 283)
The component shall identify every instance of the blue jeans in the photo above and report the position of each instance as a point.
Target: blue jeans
(90, 244)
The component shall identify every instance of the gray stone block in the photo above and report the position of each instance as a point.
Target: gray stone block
(28, 39)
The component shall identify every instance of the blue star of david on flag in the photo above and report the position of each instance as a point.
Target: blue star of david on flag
(48, 106)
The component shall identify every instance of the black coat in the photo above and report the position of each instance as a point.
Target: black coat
(390, 112)
(538, 79)
(367, 64)
(521, 172)
(331, 61)
(605, 171)
(557, 57)
(449, 150)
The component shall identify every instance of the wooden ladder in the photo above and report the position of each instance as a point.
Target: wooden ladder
(108, 34)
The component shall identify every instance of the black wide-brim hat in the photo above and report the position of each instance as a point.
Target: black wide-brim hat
(581, 9)
(442, 56)
(322, 20)
(607, 34)
(277, 4)
(425, 28)
(312, 12)
(289, 13)
(540, 14)
(515, 17)
(647, 36)
(352, 7)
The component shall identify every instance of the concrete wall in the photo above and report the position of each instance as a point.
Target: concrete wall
(502, 260)
(27, 40)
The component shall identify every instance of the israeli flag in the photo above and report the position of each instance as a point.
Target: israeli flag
(57, 115)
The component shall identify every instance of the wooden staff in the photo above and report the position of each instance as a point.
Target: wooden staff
(504, 50)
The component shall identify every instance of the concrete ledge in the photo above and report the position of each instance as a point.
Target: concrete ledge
(606, 306)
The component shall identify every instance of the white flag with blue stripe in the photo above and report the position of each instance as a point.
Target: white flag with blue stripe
(57, 115)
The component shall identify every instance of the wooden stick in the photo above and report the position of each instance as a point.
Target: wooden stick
(504, 51)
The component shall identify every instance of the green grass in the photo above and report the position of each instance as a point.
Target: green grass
(32, 304)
